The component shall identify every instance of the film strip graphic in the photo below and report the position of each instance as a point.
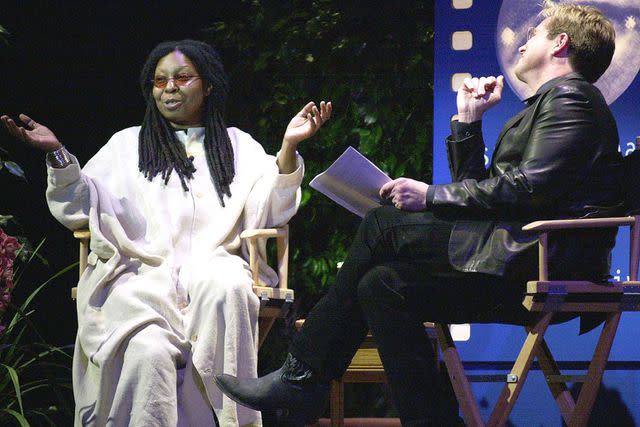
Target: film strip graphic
(465, 45)
(466, 40)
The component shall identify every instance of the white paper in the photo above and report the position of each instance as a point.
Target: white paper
(352, 181)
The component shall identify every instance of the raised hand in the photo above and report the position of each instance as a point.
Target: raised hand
(307, 122)
(38, 136)
(406, 194)
(477, 95)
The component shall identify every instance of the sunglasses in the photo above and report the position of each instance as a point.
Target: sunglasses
(180, 80)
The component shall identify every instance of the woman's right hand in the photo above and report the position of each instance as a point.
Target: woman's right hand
(39, 136)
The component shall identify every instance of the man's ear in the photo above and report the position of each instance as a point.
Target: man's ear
(561, 48)
(208, 90)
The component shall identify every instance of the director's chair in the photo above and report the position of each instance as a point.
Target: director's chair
(274, 301)
(549, 298)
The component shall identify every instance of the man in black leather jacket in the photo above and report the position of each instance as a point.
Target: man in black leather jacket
(557, 158)
(456, 252)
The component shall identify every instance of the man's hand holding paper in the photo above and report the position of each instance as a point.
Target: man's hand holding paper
(406, 194)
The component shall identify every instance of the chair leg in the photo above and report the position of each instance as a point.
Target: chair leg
(590, 387)
(459, 381)
(264, 326)
(559, 390)
(510, 392)
(336, 403)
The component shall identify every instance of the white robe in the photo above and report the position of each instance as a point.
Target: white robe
(166, 300)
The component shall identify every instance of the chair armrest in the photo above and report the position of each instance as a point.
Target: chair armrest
(563, 224)
(84, 237)
(265, 233)
(83, 234)
(281, 234)
(543, 227)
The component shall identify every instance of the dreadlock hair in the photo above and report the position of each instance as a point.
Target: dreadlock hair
(159, 150)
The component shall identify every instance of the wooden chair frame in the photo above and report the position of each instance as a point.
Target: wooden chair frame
(548, 298)
(274, 301)
(365, 367)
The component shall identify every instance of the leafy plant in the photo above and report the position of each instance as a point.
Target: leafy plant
(373, 61)
(10, 166)
(4, 35)
(34, 376)
(5, 162)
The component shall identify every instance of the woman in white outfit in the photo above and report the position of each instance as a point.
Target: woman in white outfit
(166, 300)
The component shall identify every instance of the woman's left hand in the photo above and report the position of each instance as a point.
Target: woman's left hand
(306, 123)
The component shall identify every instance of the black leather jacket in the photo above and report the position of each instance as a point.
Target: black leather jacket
(558, 158)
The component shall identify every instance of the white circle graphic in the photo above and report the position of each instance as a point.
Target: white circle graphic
(516, 16)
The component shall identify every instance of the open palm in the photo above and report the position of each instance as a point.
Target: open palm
(39, 136)
(307, 122)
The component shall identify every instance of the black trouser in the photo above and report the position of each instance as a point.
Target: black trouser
(396, 276)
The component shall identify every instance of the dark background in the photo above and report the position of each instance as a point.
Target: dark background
(73, 66)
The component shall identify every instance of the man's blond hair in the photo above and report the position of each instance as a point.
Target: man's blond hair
(592, 38)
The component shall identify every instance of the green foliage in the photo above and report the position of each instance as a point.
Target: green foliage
(35, 377)
(4, 35)
(8, 165)
(372, 60)
(12, 167)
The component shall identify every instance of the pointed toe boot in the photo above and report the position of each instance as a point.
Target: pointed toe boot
(293, 387)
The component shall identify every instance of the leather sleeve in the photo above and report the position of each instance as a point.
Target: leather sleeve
(554, 161)
(465, 151)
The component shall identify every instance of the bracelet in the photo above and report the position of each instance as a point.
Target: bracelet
(59, 158)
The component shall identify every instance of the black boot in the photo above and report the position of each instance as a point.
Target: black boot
(293, 387)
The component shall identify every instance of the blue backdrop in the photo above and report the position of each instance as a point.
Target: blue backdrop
(471, 26)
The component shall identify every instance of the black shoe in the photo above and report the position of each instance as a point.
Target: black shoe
(293, 387)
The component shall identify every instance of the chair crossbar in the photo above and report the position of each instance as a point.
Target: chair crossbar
(509, 378)
(574, 412)
(567, 365)
(582, 297)
(628, 304)
(582, 287)
(495, 378)
(566, 378)
(274, 302)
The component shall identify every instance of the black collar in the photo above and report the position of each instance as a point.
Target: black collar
(552, 83)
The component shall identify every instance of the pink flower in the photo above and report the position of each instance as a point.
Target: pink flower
(9, 246)
(8, 282)
(6, 263)
(5, 299)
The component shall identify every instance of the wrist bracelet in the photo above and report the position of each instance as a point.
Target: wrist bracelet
(59, 158)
